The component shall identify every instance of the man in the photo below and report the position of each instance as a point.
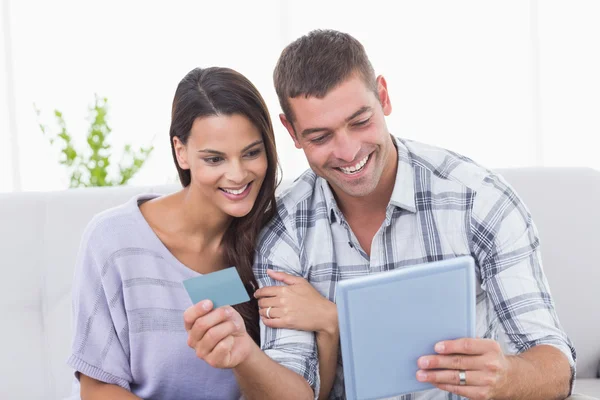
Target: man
(372, 202)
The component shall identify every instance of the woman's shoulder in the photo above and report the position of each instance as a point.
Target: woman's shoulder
(118, 226)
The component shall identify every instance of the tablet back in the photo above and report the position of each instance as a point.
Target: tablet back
(388, 320)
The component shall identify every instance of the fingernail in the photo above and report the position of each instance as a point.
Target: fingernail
(439, 347)
(421, 376)
(206, 305)
(228, 312)
(423, 363)
(236, 323)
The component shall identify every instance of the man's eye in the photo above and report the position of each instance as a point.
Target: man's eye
(319, 139)
(363, 122)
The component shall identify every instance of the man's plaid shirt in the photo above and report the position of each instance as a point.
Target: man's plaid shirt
(443, 205)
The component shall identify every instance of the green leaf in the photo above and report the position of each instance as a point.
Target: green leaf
(89, 167)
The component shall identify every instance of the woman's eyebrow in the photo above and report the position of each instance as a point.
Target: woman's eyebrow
(220, 153)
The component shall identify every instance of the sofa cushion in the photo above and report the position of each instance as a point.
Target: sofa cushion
(589, 387)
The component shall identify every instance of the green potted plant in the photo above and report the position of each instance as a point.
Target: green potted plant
(90, 166)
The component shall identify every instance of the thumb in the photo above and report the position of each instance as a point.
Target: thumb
(285, 278)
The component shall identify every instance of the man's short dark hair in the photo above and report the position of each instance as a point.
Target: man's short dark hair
(316, 63)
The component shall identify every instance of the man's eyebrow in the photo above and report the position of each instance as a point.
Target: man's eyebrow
(360, 111)
(220, 153)
(357, 113)
(308, 131)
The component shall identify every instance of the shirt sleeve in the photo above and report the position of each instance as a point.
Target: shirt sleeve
(100, 347)
(506, 246)
(295, 350)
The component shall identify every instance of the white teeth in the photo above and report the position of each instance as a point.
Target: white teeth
(239, 191)
(355, 168)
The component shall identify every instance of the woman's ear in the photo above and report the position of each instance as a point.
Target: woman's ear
(180, 153)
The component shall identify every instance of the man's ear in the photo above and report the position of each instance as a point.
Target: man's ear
(384, 95)
(290, 128)
(180, 153)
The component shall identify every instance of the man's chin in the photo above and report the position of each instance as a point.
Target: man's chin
(358, 189)
(358, 192)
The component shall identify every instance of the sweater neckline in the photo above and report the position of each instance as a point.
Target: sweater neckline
(158, 244)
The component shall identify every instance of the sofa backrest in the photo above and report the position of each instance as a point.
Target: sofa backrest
(40, 234)
(39, 239)
(565, 205)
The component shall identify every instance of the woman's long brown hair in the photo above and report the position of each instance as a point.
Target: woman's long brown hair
(223, 91)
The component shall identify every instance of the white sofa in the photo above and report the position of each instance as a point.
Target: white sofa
(40, 233)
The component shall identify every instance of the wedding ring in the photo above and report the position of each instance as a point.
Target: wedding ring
(462, 376)
(268, 311)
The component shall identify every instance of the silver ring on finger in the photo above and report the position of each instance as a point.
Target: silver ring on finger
(462, 377)
(268, 313)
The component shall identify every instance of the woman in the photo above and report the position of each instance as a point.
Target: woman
(128, 297)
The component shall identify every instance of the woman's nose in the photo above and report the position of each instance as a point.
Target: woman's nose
(236, 173)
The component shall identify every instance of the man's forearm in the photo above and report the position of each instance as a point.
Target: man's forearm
(261, 378)
(542, 372)
(328, 356)
(328, 342)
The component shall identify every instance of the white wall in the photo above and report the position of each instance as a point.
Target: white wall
(6, 178)
(511, 83)
(570, 81)
(459, 72)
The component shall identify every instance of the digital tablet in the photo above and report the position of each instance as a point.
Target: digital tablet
(388, 320)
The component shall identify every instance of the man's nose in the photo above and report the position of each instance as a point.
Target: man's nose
(347, 147)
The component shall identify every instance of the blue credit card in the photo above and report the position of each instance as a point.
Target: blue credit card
(222, 287)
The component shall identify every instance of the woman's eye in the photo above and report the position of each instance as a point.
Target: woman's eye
(213, 160)
(253, 153)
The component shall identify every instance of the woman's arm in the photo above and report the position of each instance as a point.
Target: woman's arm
(92, 389)
(299, 306)
(94, 283)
